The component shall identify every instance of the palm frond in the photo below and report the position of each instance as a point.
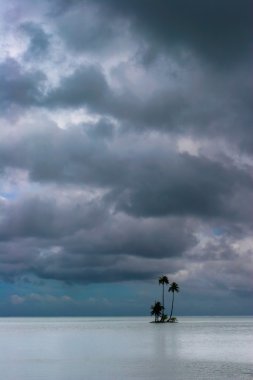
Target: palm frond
(174, 287)
(163, 280)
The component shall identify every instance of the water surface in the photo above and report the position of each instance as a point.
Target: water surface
(126, 348)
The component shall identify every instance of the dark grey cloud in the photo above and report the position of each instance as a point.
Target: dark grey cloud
(168, 183)
(46, 217)
(16, 258)
(77, 155)
(186, 109)
(39, 40)
(18, 86)
(73, 241)
(84, 27)
(219, 31)
(86, 86)
(185, 186)
(166, 110)
(125, 236)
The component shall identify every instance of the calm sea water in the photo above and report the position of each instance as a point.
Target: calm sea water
(125, 348)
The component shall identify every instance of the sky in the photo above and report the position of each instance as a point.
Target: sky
(125, 154)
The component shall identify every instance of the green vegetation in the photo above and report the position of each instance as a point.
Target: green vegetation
(158, 308)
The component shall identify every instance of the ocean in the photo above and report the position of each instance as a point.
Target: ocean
(124, 348)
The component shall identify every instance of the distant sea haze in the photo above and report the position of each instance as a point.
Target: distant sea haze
(125, 348)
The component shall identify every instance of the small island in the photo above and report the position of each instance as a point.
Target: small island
(158, 308)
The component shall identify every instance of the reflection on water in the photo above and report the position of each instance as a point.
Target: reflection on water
(125, 348)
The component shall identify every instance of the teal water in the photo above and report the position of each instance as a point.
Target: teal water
(126, 348)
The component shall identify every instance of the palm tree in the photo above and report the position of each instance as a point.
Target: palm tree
(173, 288)
(164, 281)
(156, 310)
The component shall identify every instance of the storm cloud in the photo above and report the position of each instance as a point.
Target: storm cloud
(125, 152)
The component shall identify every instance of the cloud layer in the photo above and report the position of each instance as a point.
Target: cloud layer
(125, 150)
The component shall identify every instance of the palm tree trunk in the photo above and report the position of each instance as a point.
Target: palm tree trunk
(171, 312)
(163, 302)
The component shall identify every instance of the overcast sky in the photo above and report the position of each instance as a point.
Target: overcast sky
(125, 153)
